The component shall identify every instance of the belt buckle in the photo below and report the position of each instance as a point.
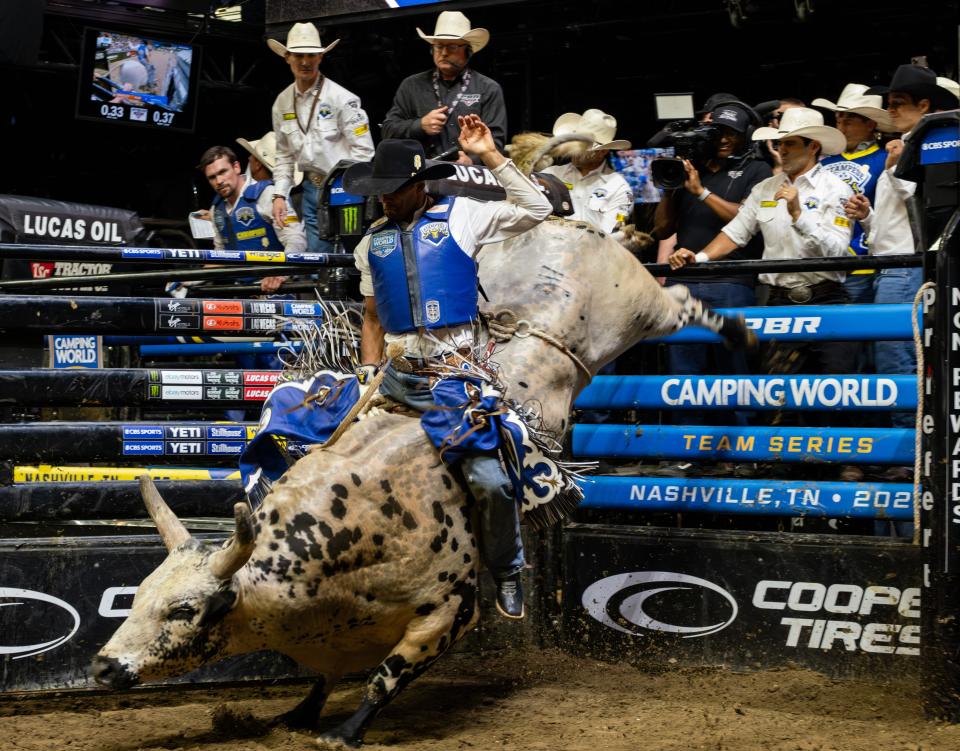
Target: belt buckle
(800, 295)
(317, 179)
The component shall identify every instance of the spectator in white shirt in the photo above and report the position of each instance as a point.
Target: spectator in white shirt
(317, 122)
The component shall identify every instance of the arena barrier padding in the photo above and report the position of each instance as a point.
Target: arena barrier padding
(800, 323)
(137, 315)
(165, 388)
(216, 444)
(754, 392)
(47, 501)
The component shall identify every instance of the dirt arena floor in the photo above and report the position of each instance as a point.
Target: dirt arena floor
(545, 700)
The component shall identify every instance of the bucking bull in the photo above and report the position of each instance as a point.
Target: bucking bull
(363, 557)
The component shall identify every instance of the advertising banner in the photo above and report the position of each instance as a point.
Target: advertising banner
(845, 606)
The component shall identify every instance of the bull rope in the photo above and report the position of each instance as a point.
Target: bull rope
(505, 325)
(918, 426)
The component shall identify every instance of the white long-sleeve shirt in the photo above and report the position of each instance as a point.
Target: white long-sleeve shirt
(472, 225)
(340, 129)
(601, 197)
(888, 223)
(291, 234)
(823, 229)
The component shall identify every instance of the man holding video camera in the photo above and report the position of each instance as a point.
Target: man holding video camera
(719, 171)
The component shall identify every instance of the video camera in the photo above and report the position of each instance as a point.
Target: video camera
(690, 140)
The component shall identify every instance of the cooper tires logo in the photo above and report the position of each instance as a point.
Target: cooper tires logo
(27, 606)
(635, 602)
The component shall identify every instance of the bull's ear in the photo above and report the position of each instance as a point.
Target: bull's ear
(226, 562)
(169, 526)
(217, 607)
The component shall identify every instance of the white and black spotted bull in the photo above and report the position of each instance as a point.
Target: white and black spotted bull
(363, 556)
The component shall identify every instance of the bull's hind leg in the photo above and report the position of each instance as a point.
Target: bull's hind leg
(426, 638)
(692, 312)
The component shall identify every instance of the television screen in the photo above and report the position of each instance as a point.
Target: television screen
(138, 80)
(634, 165)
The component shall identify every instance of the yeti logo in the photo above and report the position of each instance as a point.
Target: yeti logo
(435, 232)
(384, 243)
(245, 216)
(432, 309)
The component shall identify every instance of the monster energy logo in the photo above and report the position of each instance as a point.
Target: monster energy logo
(350, 220)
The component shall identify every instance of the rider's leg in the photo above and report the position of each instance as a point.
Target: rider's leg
(500, 542)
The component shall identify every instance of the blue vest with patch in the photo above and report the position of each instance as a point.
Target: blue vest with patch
(421, 277)
(244, 228)
(860, 171)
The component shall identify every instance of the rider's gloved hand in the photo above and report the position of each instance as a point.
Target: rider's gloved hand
(366, 373)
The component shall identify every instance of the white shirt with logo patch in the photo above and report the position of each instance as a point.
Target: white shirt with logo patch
(340, 130)
(601, 197)
(291, 234)
(472, 225)
(822, 230)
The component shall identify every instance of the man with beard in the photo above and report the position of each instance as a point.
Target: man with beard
(243, 211)
(427, 105)
(599, 193)
(418, 276)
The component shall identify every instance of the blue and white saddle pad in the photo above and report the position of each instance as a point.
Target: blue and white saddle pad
(296, 415)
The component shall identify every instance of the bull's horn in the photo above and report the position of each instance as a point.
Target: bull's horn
(226, 562)
(168, 525)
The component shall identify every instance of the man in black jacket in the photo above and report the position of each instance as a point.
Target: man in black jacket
(426, 105)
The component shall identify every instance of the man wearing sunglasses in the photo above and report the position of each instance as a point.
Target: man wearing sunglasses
(427, 105)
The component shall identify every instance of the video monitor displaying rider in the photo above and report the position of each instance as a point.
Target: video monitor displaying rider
(138, 80)
(634, 165)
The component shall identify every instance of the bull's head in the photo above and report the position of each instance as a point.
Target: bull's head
(176, 622)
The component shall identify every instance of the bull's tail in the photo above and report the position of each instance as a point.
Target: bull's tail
(693, 312)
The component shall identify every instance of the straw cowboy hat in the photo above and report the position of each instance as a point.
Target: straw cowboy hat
(950, 85)
(806, 123)
(596, 124)
(303, 39)
(397, 163)
(854, 99)
(453, 26)
(266, 151)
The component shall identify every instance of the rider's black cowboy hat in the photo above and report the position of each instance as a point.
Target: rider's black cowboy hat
(920, 83)
(397, 163)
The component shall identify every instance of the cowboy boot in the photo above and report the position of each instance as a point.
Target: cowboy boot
(510, 597)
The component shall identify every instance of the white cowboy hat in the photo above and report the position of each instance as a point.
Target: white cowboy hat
(453, 26)
(304, 39)
(266, 151)
(594, 123)
(806, 123)
(854, 99)
(950, 85)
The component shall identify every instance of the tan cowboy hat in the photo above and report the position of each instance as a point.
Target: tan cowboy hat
(453, 26)
(303, 39)
(806, 123)
(594, 123)
(854, 99)
(266, 151)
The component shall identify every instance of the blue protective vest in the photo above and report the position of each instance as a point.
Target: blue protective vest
(860, 170)
(245, 229)
(421, 277)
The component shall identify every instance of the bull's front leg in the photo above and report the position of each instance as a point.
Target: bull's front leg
(306, 714)
(425, 639)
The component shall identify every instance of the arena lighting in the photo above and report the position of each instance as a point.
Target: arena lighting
(739, 11)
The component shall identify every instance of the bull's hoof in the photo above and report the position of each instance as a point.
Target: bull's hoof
(333, 741)
(736, 335)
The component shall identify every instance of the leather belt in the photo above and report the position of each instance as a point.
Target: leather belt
(416, 365)
(805, 293)
(317, 178)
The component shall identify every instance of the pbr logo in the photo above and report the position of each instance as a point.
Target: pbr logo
(434, 232)
(470, 99)
(324, 111)
(245, 215)
(384, 243)
(432, 310)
